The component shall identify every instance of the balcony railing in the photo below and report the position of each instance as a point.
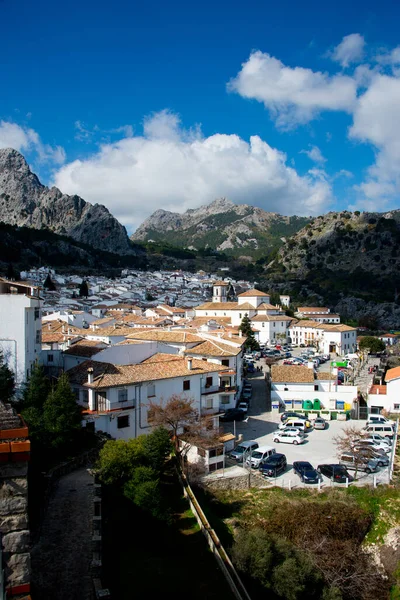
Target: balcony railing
(228, 388)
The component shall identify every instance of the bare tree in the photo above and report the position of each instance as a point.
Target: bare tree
(345, 445)
(187, 426)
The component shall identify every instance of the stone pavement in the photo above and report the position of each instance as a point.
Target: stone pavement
(61, 557)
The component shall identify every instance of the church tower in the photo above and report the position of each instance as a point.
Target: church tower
(220, 290)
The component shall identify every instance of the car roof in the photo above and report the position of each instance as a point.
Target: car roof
(248, 443)
(302, 463)
(264, 448)
(275, 457)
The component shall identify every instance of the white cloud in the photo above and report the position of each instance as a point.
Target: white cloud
(314, 154)
(168, 167)
(25, 139)
(377, 121)
(350, 50)
(292, 95)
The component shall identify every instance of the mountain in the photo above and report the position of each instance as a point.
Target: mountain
(236, 229)
(24, 201)
(343, 253)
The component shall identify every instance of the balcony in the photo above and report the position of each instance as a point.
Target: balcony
(228, 389)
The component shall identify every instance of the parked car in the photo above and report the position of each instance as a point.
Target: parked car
(378, 446)
(335, 472)
(294, 431)
(243, 450)
(372, 419)
(261, 453)
(301, 424)
(232, 414)
(287, 437)
(382, 428)
(382, 459)
(287, 414)
(305, 471)
(319, 423)
(243, 406)
(358, 462)
(379, 438)
(273, 465)
(248, 356)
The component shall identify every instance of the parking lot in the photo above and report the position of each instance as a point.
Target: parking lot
(319, 446)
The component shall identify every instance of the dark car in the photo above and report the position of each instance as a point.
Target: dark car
(232, 414)
(336, 473)
(305, 471)
(289, 413)
(273, 465)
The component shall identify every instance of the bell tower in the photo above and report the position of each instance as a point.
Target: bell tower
(220, 289)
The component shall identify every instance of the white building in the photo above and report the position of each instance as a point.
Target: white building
(20, 326)
(386, 397)
(327, 338)
(117, 398)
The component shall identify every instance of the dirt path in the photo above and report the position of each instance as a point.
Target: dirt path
(61, 557)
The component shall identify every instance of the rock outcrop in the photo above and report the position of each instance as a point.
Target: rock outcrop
(24, 201)
(221, 225)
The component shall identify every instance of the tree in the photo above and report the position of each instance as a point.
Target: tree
(374, 344)
(7, 380)
(177, 415)
(49, 284)
(11, 274)
(35, 392)
(61, 414)
(345, 442)
(247, 331)
(83, 289)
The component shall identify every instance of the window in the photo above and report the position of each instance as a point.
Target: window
(123, 395)
(151, 390)
(123, 422)
(215, 466)
(274, 323)
(396, 406)
(240, 315)
(209, 403)
(263, 324)
(85, 396)
(225, 362)
(224, 399)
(186, 385)
(37, 314)
(316, 387)
(38, 336)
(50, 358)
(215, 452)
(209, 382)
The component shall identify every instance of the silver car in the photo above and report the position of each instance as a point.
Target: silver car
(319, 423)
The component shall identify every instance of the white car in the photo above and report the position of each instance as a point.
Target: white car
(379, 438)
(376, 445)
(288, 438)
(243, 406)
(293, 431)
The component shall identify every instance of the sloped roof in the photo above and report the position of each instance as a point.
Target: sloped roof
(177, 336)
(220, 282)
(252, 293)
(107, 375)
(85, 348)
(217, 306)
(291, 374)
(211, 348)
(258, 318)
(392, 374)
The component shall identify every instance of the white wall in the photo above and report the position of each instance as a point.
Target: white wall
(20, 332)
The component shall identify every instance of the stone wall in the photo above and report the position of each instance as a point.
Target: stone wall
(15, 537)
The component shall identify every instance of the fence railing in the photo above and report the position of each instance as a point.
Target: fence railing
(393, 452)
(223, 560)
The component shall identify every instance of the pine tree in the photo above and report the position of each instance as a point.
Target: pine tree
(245, 328)
(36, 389)
(7, 381)
(84, 289)
(49, 284)
(62, 415)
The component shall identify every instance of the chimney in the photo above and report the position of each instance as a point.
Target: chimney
(49, 326)
(68, 343)
(90, 375)
(240, 333)
(189, 364)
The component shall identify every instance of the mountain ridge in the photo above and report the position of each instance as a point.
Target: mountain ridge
(25, 201)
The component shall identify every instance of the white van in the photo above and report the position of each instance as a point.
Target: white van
(383, 429)
(258, 455)
(301, 424)
(377, 419)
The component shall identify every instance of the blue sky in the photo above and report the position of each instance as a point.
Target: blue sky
(292, 107)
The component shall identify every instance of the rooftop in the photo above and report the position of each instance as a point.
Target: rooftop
(392, 374)
(252, 293)
(291, 374)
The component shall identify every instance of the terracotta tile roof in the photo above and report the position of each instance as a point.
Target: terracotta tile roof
(220, 282)
(86, 348)
(177, 336)
(199, 321)
(107, 375)
(217, 306)
(103, 320)
(392, 374)
(252, 293)
(305, 323)
(291, 374)
(312, 309)
(265, 306)
(328, 316)
(325, 376)
(57, 325)
(211, 348)
(49, 337)
(258, 318)
(161, 357)
(336, 327)
(109, 331)
(380, 390)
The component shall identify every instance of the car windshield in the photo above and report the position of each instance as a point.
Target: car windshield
(257, 455)
(240, 449)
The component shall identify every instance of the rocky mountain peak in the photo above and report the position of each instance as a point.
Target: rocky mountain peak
(25, 201)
